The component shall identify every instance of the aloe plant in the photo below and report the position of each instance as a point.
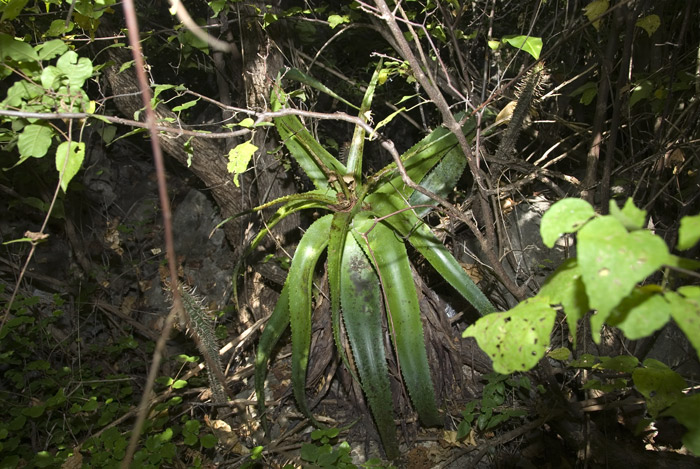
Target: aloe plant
(369, 273)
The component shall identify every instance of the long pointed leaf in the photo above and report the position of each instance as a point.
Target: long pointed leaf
(275, 327)
(300, 282)
(404, 318)
(298, 75)
(407, 224)
(362, 313)
(357, 145)
(316, 162)
(441, 180)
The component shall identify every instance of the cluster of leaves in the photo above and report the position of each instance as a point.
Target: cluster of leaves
(322, 452)
(496, 404)
(614, 255)
(368, 268)
(52, 413)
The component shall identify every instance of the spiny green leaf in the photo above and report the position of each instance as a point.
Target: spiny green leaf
(441, 180)
(404, 318)
(361, 300)
(357, 145)
(517, 339)
(565, 216)
(300, 281)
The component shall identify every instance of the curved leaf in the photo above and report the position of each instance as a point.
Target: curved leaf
(300, 281)
(407, 224)
(441, 180)
(404, 318)
(316, 162)
(275, 327)
(357, 145)
(362, 313)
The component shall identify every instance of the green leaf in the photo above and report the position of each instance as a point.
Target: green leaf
(208, 440)
(407, 224)
(531, 45)
(404, 318)
(357, 144)
(34, 411)
(238, 159)
(621, 363)
(588, 91)
(642, 313)
(517, 339)
(34, 140)
(300, 281)
(594, 10)
(565, 287)
(361, 300)
(612, 261)
(77, 69)
(74, 152)
(441, 180)
(687, 411)
(50, 78)
(642, 90)
(301, 77)
(660, 385)
(50, 49)
(16, 50)
(179, 384)
(689, 232)
(565, 216)
(630, 216)
(562, 354)
(335, 20)
(12, 9)
(58, 28)
(685, 311)
(186, 105)
(649, 23)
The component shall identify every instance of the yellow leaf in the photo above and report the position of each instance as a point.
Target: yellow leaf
(649, 23)
(506, 113)
(594, 9)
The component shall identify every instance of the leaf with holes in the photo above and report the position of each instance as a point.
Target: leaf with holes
(613, 261)
(74, 153)
(517, 339)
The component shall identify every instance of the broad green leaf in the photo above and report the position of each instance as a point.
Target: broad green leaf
(361, 300)
(631, 217)
(16, 50)
(687, 411)
(58, 28)
(565, 216)
(50, 78)
(660, 385)
(276, 325)
(186, 105)
(689, 232)
(612, 261)
(441, 180)
(77, 69)
(566, 288)
(562, 354)
(238, 159)
(642, 313)
(531, 45)
(404, 319)
(300, 281)
(517, 339)
(74, 152)
(50, 49)
(685, 311)
(34, 140)
(588, 91)
(12, 9)
(649, 23)
(594, 10)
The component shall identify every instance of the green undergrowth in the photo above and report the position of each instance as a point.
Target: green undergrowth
(62, 403)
